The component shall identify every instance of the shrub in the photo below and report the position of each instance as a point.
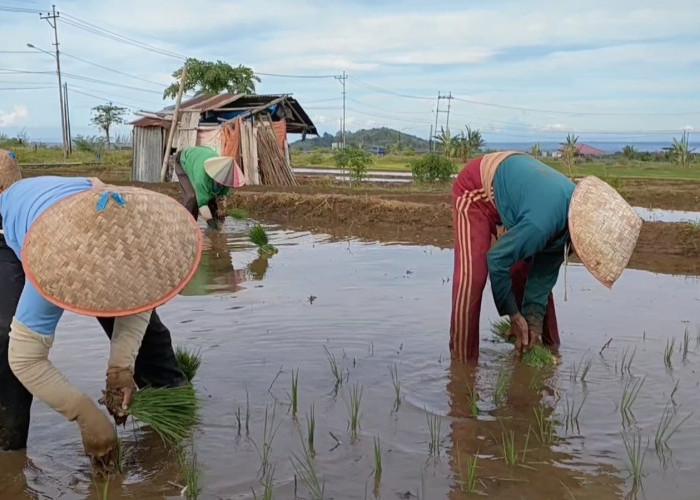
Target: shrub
(432, 168)
(356, 160)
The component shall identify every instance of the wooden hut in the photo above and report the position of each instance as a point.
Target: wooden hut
(251, 128)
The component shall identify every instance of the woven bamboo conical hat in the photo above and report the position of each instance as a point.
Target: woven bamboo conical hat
(9, 170)
(604, 229)
(112, 251)
(221, 169)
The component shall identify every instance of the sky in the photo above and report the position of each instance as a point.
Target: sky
(520, 71)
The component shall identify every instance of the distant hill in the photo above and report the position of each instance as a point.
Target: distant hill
(383, 137)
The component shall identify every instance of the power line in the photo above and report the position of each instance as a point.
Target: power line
(24, 88)
(294, 76)
(103, 82)
(7, 8)
(114, 70)
(96, 30)
(100, 98)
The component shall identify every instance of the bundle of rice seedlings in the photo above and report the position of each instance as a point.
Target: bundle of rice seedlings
(239, 213)
(258, 236)
(170, 412)
(189, 361)
(537, 356)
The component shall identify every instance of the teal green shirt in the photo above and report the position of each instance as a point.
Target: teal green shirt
(533, 202)
(192, 161)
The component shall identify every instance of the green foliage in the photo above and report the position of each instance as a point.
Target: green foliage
(89, 144)
(680, 152)
(432, 168)
(171, 412)
(382, 136)
(205, 77)
(536, 150)
(629, 152)
(354, 159)
(189, 361)
(259, 237)
(569, 152)
(106, 115)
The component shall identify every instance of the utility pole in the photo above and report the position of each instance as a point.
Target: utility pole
(449, 100)
(438, 111)
(53, 16)
(67, 114)
(341, 79)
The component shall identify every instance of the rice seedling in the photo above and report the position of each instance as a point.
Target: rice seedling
(535, 381)
(580, 370)
(354, 409)
(190, 473)
(434, 425)
(629, 396)
(501, 327)
(238, 419)
(545, 427)
(539, 356)
(510, 455)
(121, 456)
(269, 432)
(664, 431)
(627, 359)
(238, 213)
(673, 392)
(377, 457)
(668, 353)
(268, 486)
(104, 495)
(686, 343)
(502, 385)
(571, 413)
(311, 430)
(305, 469)
(170, 412)
(635, 456)
(467, 482)
(472, 401)
(189, 361)
(258, 236)
(295, 393)
(336, 371)
(394, 370)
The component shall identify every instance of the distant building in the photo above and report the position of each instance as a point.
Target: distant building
(583, 151)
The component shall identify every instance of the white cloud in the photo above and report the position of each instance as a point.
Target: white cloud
(19, 116)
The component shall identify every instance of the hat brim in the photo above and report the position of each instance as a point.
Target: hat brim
(604, 229)
(123, 260)
(221, 169)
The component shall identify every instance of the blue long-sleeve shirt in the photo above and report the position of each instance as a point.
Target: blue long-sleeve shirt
(20, 205)
(533, 202)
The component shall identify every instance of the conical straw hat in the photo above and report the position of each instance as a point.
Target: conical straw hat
(112, 253)
(9, 170)
(220, 169)
(604, 229)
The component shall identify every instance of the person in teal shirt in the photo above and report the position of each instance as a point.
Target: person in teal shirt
(204, 177)
(546, 216)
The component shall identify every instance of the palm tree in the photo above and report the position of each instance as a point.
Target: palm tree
(569, 152)
(446, 141)
(681, 153)
(629, 152)
(474, 140)
(535, 150)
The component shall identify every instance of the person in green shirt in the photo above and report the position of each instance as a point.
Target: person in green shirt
(546, 217)
(204, 176)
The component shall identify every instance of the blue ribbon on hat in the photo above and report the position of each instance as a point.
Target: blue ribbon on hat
(104, 199)
(12, 155)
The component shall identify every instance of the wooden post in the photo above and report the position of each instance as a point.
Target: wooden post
(173, 126)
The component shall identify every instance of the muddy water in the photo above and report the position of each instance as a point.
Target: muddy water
(373, 306)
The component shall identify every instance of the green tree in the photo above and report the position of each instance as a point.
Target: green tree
(106, 115)
(569, 152)
(629, 152)
(432, 168)
(536, 150)
(446, 141)
(681, 153)
(355, 159)
(205, 77)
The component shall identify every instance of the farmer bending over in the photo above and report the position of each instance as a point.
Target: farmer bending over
(543, 213)
(90, 251)
(204, 177)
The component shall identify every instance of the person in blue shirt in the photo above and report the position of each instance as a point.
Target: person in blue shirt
(28, 323)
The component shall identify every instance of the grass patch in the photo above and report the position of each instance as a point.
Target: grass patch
(306, 471)
(311, 430)
(468, 481)
(539, 356)
(686, 344)
(336, 370)
(294, 397)
(500, 327)
(629, 396)
(170, 412)
(472, 401)
(377, 457)
(510, 455)
(190, 473)
(502, 386)
(268, 486)
(545, 427)
(635, 457)
(269, 431)
(189, 361)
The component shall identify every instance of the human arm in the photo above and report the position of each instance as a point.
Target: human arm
(540, 282)
(127, 336)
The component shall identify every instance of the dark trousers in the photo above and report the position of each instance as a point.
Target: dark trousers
(155, 363)
(189, 196)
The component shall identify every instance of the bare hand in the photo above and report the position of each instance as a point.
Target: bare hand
(519, 328)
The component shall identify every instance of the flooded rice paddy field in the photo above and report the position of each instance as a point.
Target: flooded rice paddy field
(376, 308)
